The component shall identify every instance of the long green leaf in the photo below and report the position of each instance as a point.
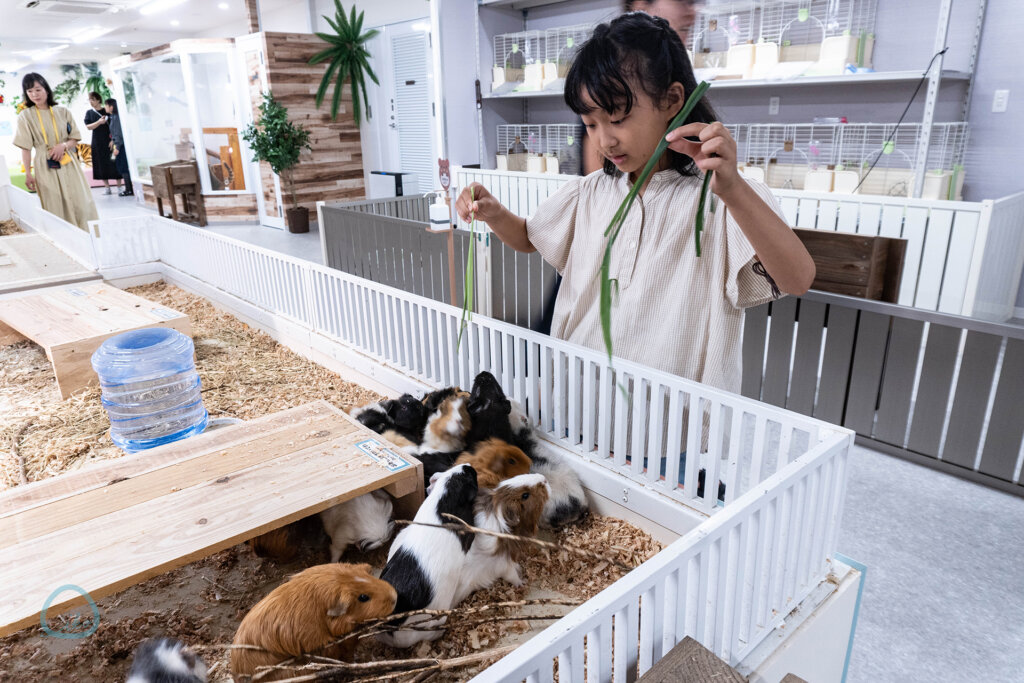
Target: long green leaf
(699, 224)
(612, 231)
(469, 278)
(324, 83)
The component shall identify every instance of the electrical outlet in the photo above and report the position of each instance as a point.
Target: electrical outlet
(773, 106)
(999, 101)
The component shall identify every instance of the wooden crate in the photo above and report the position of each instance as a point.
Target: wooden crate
(117, 523)
(71, 322)
(856, 265)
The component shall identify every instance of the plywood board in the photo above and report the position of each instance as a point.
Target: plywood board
(110, 526)
(29, 261)
(71, 322)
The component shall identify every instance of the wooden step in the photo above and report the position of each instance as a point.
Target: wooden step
(120, 522)
(71, 322)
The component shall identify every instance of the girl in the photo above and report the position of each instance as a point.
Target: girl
(96, 121)
(57, 177)
(117, 148)
(674, 311)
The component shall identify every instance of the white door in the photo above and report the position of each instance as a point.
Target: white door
(403, 131)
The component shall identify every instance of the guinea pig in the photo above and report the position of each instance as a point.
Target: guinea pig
(515, 507)
(494, 461)
(447, 427)
(433, 399)
(283, 544)
(488, 411)
(365, 520)
(306, 614)
(568, 502)
(435, 464)
(425, 564)
(406, 416)
(166, 660)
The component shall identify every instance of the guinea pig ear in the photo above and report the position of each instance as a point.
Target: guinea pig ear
(362, 568)
(340, 609)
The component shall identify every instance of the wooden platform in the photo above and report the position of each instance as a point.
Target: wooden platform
(71, 322)
(109, 526)
(30, 261)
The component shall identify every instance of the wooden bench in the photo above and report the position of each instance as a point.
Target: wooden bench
(120, 522)
(71, 322)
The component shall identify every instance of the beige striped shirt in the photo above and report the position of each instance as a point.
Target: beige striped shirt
(674, 311)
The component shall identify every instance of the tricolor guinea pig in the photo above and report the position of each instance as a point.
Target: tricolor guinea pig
(494, 461)
(425, 564)
(306, 615)
(514, 507)
(447, 426)
(165, 660)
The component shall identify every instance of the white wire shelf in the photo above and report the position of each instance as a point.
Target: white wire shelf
(848, 79)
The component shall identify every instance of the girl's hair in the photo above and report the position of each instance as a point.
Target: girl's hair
(633, 51)
(29, 81)
(113, 103)
(95, 96)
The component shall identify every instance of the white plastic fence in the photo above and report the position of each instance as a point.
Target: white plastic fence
(727, 583)
(963, 258)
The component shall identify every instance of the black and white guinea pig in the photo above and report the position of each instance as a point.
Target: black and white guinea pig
(364, 520)
(489, 410)
(165, 660)
(425, 564)
(405, 416)
(514, 506)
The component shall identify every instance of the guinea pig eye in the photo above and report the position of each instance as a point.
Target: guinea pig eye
(526, 495)
(363, 597)
(511, 461)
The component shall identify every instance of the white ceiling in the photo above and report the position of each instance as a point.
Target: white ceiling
(26, 30)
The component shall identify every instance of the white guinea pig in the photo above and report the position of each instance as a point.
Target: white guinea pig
(425, 564)
(165, 660)
(365, 520)
(515, 507)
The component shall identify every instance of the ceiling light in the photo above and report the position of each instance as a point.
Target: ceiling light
(223, 5)
(40, 55)
(91, 33)
(175, 22)
(159, 6)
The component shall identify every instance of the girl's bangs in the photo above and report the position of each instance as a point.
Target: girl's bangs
(596, 73)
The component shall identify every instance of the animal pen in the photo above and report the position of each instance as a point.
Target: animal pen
(753, 576)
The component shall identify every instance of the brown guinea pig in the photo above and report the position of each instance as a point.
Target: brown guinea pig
(495, 461)
(283, 544)
(308, 612)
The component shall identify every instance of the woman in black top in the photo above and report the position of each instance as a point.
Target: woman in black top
(103, 168)
(117, 147)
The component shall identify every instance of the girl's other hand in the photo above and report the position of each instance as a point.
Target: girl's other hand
(715, 151)
(481, 205)
(30, 182)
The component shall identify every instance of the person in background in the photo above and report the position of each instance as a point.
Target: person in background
(680, 15)
(103, 168)
(57, 176)
(117, 147)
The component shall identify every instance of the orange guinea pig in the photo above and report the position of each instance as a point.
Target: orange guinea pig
(495, 461)
(307, 613)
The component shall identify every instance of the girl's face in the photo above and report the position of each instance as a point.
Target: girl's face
(37, 93)
(629, 140)
(108, 108)
(680, 14)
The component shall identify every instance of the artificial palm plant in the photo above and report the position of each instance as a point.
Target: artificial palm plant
(349, 60)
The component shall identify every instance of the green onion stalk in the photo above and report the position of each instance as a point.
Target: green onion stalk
(470, 275)
(612, 232)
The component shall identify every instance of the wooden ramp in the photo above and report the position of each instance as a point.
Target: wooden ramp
(107, 527)
(31, 261)
(71, 322)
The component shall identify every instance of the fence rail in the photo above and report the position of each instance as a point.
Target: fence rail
(963, 258)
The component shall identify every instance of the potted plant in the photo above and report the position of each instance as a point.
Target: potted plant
(349, 60)
(277, 141)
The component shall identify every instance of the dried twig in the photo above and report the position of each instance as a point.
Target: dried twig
(409, 666)
(462, 527)
(389, 628)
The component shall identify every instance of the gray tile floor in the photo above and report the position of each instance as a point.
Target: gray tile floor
(944, 597)
(305, 246)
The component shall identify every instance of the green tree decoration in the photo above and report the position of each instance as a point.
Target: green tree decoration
(349, 60)
(277, 141)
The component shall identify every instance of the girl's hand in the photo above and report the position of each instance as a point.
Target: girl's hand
(30, 182)
(57, 153)
(482, 206)
(715, 151)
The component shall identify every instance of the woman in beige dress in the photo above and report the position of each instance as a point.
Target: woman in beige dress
(57, 176)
